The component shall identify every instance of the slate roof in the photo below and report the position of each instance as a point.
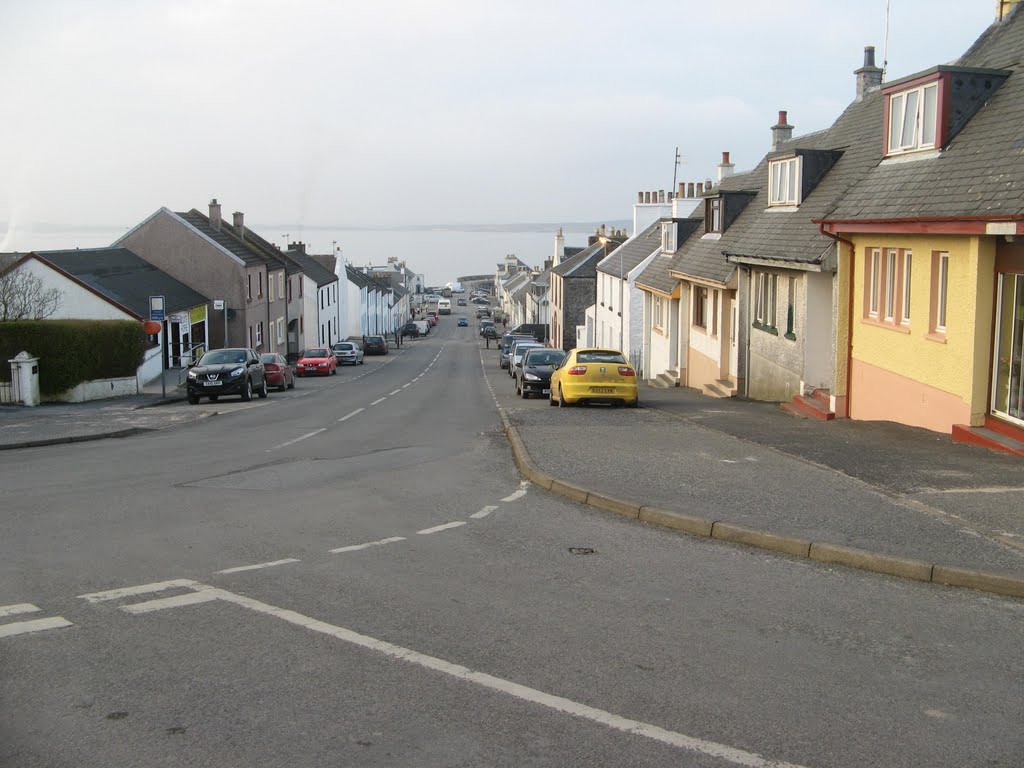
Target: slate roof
(582, 264)
(225, 237)
(8, 260)
(628, 255)
(981, 171)
(656, 275)
(543, 279)
(327, 261)
(791, 236)
(123, 277)
(312, 268)
(358, 278)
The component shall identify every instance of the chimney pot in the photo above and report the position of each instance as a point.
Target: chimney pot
(689, 190)
(725, 158)
(682, 189)
(869, 77)
(661, 195)
(782, 117)
(782, 131)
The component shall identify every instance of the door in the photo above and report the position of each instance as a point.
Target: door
(1008, 365)
(734, 342)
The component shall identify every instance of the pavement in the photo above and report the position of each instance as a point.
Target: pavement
(872, 495)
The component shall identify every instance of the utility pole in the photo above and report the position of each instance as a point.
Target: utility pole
(675, 169)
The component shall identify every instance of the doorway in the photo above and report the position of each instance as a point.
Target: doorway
(1008, 365)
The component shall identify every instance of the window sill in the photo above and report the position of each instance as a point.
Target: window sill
(766, 328)
(889, 325)
(781, 208)
(937, 337)
(790, 336)
(711, 236)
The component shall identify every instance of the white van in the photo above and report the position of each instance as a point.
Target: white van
(424, 326)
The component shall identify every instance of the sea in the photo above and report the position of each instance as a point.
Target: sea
(442, 253)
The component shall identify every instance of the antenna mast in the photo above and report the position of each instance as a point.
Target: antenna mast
(675, 169)
(885, 45)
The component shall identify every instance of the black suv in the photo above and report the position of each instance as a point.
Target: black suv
(230, 371)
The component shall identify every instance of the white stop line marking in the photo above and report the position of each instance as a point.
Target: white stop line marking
(204, 593)
(35, 625)
(13, 610)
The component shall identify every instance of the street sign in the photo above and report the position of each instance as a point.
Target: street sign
(218, 303)
(156, 308)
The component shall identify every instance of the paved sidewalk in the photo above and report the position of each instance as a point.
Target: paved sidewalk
(882, 489)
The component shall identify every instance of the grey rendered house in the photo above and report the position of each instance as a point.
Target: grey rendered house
(573, 287)
(222, 261)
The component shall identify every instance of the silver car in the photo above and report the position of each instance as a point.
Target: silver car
(348, 352)
(516, 352)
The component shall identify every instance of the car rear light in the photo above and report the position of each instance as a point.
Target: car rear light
(271, 367)
(626, 371)
(577, 370)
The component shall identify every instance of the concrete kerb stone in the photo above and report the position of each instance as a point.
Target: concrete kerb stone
(852, 557)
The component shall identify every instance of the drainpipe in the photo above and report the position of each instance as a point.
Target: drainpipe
(849, 313)
(749, 271)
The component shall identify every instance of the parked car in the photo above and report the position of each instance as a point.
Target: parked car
(319, 361)
(463, 322)
(516, 352)
(533, 376)
(481, 300)
(229, 371)
(506, 345)
(410, 329)
(423, 326)
(594, 376)
(278, 370)
(432, 318)
(347, 352)
(375, 345)
(461, 302)
(487, 329)
(538, 330)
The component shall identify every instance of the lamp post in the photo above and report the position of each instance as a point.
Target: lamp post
(604, 241)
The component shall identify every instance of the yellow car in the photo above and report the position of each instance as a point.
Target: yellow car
(594, 376)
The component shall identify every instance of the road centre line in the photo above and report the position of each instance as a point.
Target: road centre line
(241, 568)
(483, 512)
(445, 527)
(515, 495)
(356, 412)
(35, 625)
(14, 610)
(380, 400)
(395, 392)
(354, 547)
(406, 385)
(142, 589)
(724, 752)
(298, 439)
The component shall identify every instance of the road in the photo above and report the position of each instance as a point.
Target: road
(353, 574)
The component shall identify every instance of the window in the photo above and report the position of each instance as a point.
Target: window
(290, 290)
(668, 237)
(270, 286)
(784, 178)
(874, 267)
(890, 284)
(259, 334)
(250, 336)
(940, 287)
(700, 307)
(912, 119)
(764, 301)
(908, 258)
(248, 291)
(658, 312)
(790, 304)
(300, 287)
(280, 330)
(280, 286)
(713, 215)
(714, 313)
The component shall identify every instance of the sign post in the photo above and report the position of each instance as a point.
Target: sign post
(220, 304)
(157, 311)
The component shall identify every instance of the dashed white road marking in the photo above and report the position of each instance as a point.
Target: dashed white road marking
(515, 495)
(444, 527)
(189, 598)
(379, 400)
(298, 439)
(354, 547)
(395, 392)
(483, 512)
(35, 625)
(14, 610)
(348, 416)
(142, 589)
(557, 703)
(241, 568)
(406, 385)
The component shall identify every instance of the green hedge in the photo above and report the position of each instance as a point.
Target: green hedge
(73, 351)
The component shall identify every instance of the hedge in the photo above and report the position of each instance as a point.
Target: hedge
(73, 351)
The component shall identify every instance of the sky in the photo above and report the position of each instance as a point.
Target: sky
(405, 112)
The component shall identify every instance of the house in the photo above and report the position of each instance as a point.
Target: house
(932, 271)
(226, 262)
(538, 299)
(115, 284)
(319, 309)
(573, 283)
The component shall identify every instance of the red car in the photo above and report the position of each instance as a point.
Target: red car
(279, 371)
(317, 362)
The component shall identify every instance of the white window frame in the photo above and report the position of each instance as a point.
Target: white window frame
(280, 286)
(658, 312)
(925, 130)
(890, 284)
(270, 286)
(765, 299)
(280, 330)
(873, 281)
(942, 286)
(668, 237)
(259, 334)
(908, 258)
(700, 301)
(784, 181)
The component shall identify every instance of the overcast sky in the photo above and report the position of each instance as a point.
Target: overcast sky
(329, 112)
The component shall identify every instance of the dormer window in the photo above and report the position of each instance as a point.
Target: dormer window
(713, 215)
(784, 182)
(668, 237)
(913, 119)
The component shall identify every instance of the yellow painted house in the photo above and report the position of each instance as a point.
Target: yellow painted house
(930, 330)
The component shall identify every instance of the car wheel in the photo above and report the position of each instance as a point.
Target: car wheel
(551, 400)
(524, 394)
(334, 371)
(213, 398)
(193, 399)
(361, 362)
(291, 384)
(561, 398)
(247, 392)
(263, 389)
(633, 403)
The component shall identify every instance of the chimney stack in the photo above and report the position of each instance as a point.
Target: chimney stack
(215, 214)
(298, 246)
(559, 248)
(869, 77)
(782, 131)
(1004, 8)
(239, 221)
(725, 168)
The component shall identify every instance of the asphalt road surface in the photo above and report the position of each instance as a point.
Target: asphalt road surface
(353, 574)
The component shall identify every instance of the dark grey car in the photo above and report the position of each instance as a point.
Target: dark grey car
(229, 371)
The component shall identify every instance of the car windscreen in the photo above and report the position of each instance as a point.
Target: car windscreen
(268, 358)
(223, 357)
(374, 339)
(520, 349)
(600, 356)
(317, 353)
(543, 357)
(343, 347)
